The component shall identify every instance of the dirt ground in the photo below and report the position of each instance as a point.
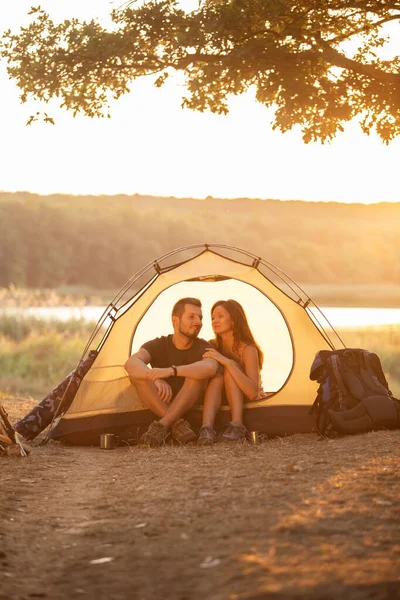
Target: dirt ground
(294, 517)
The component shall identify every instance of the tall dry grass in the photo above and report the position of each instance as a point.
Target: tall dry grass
(382, 295)
(35, 355)
(385, 295)
(14, 296)
(385, 341)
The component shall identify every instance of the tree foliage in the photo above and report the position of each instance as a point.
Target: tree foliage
(102, 241)
(318, 63)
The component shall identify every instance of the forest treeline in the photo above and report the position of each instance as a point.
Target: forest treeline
(101, 241)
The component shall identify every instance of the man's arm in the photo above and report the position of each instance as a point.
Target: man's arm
(137, 369)
(136, 365)
(202, 369)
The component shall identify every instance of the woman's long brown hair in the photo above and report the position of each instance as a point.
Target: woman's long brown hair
(241, 329)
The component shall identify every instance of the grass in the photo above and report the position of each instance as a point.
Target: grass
(383, 295)
(64, 296)
(18, 329)
(35, 355)
(385, 341)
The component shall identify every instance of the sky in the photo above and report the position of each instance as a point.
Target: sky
(152, 146)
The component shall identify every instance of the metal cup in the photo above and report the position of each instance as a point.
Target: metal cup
(254, 437)
(107, 441)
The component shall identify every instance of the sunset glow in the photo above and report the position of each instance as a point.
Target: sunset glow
(153, 146)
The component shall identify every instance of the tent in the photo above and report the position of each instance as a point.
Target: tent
(285, 322)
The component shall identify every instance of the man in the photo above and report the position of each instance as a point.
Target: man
(178, 375)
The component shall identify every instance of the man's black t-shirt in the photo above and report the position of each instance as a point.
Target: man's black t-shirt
(164, 354)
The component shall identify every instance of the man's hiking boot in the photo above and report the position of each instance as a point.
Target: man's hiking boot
(182, 432)
(155, 435)
(234, 432)
(207, 436)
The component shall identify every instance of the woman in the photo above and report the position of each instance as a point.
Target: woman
(236, 350)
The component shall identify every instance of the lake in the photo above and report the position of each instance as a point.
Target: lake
(337, 316)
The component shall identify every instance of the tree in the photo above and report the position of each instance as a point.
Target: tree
(318, 63)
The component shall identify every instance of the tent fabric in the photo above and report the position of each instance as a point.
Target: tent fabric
(107, 401)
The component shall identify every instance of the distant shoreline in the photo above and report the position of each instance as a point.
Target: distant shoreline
(333, 295)
(354, 295)
(135, 196)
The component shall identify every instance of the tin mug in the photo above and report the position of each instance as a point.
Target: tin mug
(107, 441)
(254, 437)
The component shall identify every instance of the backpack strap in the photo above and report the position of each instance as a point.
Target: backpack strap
(375, 370)
(341, 387)
(316, 406)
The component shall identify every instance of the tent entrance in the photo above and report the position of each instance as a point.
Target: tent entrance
(285, 322)
(267, 323)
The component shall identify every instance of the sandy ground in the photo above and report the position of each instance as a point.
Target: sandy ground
(296, 517)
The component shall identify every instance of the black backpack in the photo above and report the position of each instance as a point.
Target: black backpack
(353, 395)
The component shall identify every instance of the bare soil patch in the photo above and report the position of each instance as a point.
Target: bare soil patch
(292, 517)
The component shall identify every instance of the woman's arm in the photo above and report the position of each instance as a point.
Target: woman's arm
(202, 369)
(247, 380)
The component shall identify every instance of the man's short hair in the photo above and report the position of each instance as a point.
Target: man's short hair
(179, 307)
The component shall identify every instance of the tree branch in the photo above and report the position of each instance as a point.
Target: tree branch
(334, 57)
(341, 38)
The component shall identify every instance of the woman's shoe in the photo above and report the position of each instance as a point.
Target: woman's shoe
(207, 436)
(234, 432)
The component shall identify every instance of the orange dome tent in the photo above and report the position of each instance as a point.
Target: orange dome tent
(285, 322)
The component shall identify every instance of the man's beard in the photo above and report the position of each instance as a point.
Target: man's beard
(192, 335)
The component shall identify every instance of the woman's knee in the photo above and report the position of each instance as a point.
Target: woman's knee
(232, 389)
(228, 380)
(214, 390)
(215, 383)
